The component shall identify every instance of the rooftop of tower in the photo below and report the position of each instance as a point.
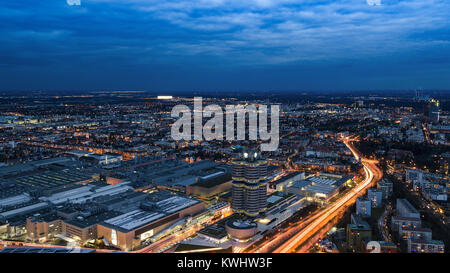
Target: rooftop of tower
(249, 155)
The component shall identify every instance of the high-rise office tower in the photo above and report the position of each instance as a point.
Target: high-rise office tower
(432, 110)
(249, 184)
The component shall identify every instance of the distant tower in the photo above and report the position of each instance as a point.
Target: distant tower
(432, 110)
(249, 184)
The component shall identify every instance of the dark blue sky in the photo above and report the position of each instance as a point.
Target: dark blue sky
(224, 45)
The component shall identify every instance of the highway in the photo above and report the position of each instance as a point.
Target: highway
(299, 237)
(170, 240)
(284, 235)
(315, 228)
(269, 246)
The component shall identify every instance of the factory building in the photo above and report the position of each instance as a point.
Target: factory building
(128, 230)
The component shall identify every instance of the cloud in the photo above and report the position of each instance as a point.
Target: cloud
(228, 34)
(319, 26)
(323, 29)
(374, 2)
(74, 2)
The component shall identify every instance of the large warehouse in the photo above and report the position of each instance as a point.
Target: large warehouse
(128, 230)
(320, 187)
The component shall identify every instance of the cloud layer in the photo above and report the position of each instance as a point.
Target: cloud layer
(200, 42)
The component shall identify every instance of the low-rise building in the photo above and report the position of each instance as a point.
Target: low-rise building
(386, 187)
(84, 228)
(320, 188)
(128, 230)
(286, 181)
(375, 196)
(381, 247)
(40, 228)
(363, 207)
(424, 246)
(398, 222)
(418, 233)
(405, 209)
(208, 187)
(357, 234)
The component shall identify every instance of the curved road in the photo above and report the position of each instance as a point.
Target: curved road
(372, 175)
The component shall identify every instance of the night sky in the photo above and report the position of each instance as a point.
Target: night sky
(224, 45)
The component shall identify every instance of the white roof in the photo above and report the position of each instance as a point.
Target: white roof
(322, 180)
(139, 217)
(175, 203)
(85, 193)
(273, 198)
(7, 214)
(134, 219)
(11, 201)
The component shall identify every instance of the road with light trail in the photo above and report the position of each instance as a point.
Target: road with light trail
(372, 175)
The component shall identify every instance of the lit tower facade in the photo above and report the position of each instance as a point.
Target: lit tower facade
(432, 110)
(249, 184)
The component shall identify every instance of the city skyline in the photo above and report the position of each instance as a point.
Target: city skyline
(103, 172)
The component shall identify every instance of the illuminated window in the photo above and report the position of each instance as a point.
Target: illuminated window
(114, 237)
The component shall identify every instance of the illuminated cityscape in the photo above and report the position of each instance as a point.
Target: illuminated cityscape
(108, 177)
(174, 129)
